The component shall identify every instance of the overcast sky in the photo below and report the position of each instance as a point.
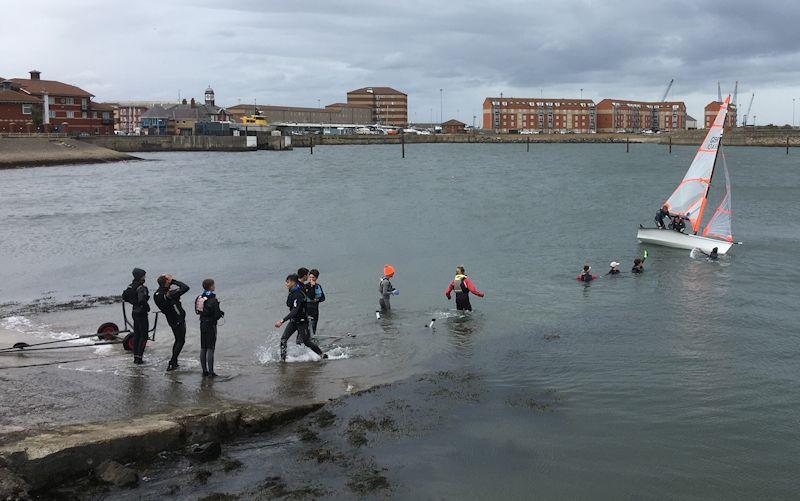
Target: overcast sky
(299, 52)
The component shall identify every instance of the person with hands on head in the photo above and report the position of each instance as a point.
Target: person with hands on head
(168, 300)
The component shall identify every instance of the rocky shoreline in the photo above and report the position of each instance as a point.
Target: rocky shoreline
(34, 464)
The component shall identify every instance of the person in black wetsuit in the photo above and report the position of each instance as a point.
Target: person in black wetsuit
(138, 296)
(713, 256)
(315, 295)
(297, 318)
(168, 300)
(662, 213)
(613, 268)
(586, 274)
(638, 265)
(207, 306)
(678, 224)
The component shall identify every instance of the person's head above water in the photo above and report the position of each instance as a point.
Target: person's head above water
(460, 270)
(388, 270)
(637, 261)
(586, 268)
(292, 280)
(613, 265)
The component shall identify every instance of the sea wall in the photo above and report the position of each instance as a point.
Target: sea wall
(190, 143)
(739, 136)
(43, 150)
(305, 141)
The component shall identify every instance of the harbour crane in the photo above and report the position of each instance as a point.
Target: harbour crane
(749, 107)
(735, 93)
(719, 92)
(666, 92)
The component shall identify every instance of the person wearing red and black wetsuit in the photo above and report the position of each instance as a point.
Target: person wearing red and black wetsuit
(462, 286)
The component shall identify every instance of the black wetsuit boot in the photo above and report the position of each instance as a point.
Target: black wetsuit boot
(179, 331)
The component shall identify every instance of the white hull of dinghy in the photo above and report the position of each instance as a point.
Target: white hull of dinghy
(671, 238)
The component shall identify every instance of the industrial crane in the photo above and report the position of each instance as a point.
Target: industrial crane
(719, 92)
(735, 93)
(749, 107)
(666, 92)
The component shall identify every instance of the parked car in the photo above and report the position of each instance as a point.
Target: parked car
(621, 131)
(647, 131)
(424, 132)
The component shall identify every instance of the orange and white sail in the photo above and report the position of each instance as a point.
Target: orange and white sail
(719, 226)
(689, 198)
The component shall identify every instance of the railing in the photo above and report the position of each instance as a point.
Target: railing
(33, 134)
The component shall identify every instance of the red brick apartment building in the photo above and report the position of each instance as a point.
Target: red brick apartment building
(635, 116)
(389, 106)
(19, 112)
(69, 109)
(711, 110)
(513, 114)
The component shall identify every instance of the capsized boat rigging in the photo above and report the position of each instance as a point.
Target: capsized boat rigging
(691, 196)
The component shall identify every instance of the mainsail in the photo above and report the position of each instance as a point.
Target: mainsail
(689, 198)
(720, 224)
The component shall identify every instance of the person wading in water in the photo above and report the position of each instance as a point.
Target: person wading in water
(297, 318)
(168, 300)
(462, 286)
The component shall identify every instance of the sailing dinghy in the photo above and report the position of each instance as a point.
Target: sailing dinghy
(690, 197)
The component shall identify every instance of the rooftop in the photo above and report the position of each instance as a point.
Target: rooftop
(376, 90)
(52, 87)
(13, 96)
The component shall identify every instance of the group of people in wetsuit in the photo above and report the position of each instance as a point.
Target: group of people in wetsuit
(677, 222)
(168, 300)
(613, 269)
(304, 297)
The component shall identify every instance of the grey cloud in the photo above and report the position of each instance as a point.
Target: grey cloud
(298, 52)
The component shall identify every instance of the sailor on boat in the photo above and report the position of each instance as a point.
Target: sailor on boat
(660, 215)
(678, 224)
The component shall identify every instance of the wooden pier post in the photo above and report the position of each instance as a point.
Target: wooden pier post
(403, 143)
(311, 144)
(627, 144)
(528, 146)
(670, 144)
(787, 145)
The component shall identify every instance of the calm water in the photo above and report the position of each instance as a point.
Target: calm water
(682, 382)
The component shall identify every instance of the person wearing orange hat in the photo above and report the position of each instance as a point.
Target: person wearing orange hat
(386, 289)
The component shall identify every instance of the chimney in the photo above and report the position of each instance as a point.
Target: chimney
(35, 74)
(193, 103)
(183, 102)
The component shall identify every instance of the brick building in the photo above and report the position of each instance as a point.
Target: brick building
(636, 116)
(389, 106)
(454, 127)
(182, 119)
(69, 109)
(337, 113)
(19, 112)
(710, 113)
(513, 114)
(128, 114)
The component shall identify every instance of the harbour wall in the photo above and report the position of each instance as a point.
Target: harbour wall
(133, 144)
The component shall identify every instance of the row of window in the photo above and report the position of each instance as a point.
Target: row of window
(542, 103)
(67, 100)
(71, 114)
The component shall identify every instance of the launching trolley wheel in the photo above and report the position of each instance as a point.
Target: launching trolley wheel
(108, 331)
(127, 343)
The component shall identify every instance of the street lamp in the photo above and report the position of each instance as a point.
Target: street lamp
(793, 112)
(581, 93)
(441, 105)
